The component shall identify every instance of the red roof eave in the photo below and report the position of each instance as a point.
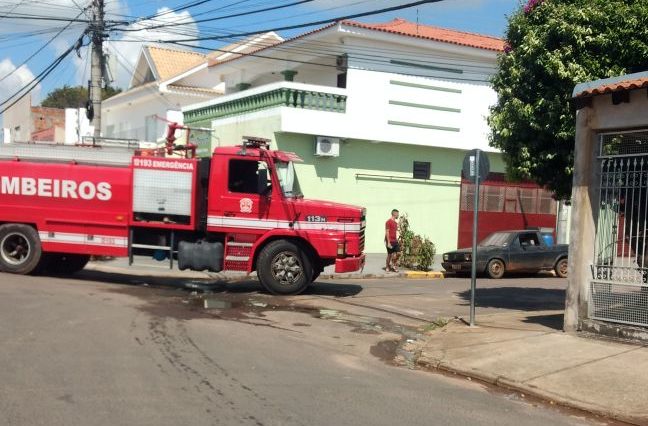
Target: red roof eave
(621, 86)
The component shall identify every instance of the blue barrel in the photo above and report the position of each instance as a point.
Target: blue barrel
(548, 239)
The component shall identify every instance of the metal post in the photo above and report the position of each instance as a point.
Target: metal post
(473, 279)
(96, 68)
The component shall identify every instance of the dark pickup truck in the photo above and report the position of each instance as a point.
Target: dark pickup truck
(510, 251)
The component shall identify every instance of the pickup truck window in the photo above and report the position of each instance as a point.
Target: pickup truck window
(529, 239)
(497, 239)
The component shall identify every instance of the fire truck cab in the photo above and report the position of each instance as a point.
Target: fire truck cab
(240, 210)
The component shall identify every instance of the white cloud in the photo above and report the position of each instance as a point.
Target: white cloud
(125, 50)
(61, 9)
(13, 79)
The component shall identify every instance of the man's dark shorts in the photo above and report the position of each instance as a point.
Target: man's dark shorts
(395, 247)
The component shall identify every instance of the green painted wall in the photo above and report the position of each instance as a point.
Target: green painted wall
(432, 206)
(232, 133)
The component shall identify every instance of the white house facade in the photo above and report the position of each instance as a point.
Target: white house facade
(381, 114)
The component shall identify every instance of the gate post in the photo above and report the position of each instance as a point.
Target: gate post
(583, 228)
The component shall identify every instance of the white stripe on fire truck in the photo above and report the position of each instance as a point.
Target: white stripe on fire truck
(231, 222)
(83, 239)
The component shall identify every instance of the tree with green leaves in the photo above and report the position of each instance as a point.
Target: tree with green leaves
(552, 45)
(73, 96)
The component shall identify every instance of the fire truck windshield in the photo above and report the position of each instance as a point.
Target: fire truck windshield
(288, 179)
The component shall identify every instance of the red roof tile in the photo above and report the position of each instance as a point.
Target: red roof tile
(411, 29)
(633, 84)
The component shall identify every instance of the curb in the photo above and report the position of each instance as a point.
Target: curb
(434, 275)
(162, 272)
(407, 274)
(552, 398)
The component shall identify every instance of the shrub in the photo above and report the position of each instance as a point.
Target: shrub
(417, 252)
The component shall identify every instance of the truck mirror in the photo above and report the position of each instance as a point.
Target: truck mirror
(262, 184)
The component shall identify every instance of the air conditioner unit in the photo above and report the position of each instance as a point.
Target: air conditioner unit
(327, 147)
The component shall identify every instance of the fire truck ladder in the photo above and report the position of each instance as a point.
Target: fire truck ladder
(161, 248)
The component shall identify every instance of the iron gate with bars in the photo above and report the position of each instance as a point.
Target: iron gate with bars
(619, 286)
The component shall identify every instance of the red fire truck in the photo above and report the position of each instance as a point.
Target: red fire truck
(240, 210)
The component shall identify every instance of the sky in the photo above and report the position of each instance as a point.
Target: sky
(21, 39)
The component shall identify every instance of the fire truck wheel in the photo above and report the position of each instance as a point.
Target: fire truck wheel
(66, 264)
(20, 249)
(283, 268)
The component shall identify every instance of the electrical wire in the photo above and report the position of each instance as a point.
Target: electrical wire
(323, 48)
(40, 49)
(235, 15)
(14, 8)
(28, 16)
(324, 65)
(314, 23)
(40, 77)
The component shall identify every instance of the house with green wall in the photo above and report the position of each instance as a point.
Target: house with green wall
(381, 114)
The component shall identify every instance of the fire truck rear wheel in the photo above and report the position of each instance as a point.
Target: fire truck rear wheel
(20, 249)
(283, 268)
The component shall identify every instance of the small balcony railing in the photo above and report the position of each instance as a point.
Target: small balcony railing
(293, 97)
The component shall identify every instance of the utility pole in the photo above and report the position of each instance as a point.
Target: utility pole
(97, 59)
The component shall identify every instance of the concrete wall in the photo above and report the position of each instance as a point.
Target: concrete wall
(601, 116)
(18, 119)
(77, 125)
(128, 119)
(404, 109)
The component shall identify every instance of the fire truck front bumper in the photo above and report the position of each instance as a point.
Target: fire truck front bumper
(349, 264)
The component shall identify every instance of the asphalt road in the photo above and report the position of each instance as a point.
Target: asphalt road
(109, 349)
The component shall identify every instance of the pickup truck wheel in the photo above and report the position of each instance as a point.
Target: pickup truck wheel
(20, 249)
(283, 268)
(66, 264)
(495, 269)
(561, 268)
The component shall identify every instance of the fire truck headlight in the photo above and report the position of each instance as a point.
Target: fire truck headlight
(341, 249)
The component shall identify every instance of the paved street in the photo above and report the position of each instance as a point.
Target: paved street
(115, 349)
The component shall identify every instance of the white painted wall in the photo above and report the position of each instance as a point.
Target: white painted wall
(128, 119)
(77, 125)
(369, 112)
(377, 63)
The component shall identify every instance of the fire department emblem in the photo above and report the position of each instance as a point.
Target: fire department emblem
(246, 205)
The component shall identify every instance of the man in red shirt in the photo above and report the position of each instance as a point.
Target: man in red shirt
(391, 242)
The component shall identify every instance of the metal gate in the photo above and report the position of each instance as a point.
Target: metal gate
(619, 286)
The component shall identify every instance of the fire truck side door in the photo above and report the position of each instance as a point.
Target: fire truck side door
(242, 198)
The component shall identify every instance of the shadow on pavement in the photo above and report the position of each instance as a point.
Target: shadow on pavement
(517, 298)
(239, 285)
(554, 321)
(332, 289)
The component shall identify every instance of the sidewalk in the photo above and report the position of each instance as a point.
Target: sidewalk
(374, 264)
(527, 352)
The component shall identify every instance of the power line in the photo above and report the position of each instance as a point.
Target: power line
(40, 49)
(319, 64)
(234, 15)
(40, 77)
(314, 23)
(320, 47)
(26, 16)
(14, 8)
